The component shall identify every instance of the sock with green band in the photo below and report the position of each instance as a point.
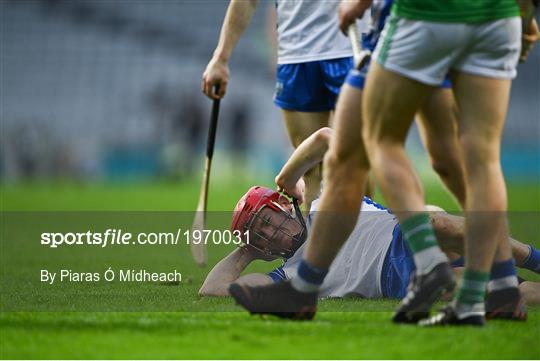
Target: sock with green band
(420, 237)
(471, 293)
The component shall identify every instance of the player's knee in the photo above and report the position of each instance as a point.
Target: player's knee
(445, 165)
(478, 152)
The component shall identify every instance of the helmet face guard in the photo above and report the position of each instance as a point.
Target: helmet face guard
(276, 227)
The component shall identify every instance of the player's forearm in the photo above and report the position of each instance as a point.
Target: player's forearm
(308, 154)
(237, 19)
(225, 272)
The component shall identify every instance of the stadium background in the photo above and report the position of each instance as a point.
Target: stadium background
(109, 90)
(101, 109)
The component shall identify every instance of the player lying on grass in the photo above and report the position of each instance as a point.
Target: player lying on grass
(373, 263)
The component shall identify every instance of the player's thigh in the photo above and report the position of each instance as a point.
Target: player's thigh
(389, 104)
(483, 105)
(347, 143)
(437, 122)
(301, 125)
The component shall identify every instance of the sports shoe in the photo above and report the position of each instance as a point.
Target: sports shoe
(448, 316)
(505, 304)
(423, 291)
(279, 299)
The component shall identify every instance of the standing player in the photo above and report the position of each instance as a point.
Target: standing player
(481, 50)
(313, 61)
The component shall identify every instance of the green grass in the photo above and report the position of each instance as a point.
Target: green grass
(171, 321)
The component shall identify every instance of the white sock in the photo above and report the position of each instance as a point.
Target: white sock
(502, 283)
(303, 286)
(427, 259)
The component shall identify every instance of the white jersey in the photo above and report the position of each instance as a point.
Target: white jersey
(307, 30)
(356, 271)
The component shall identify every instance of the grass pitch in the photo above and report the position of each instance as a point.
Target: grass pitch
(216, 328)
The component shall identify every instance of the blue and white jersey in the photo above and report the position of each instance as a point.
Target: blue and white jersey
(356, 270)
(307, 30)
(380, 9)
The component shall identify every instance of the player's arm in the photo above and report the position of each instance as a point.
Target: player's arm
(308, 154)
(351, 10)
(530, 37)
(228, 270)
(237, 19)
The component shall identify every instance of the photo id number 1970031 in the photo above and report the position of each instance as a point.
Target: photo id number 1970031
(208, 236)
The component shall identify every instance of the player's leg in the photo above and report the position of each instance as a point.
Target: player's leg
(531, 292)
(481, 124)
(301, 125)
(345, 174)
(481, 84)
(388, 113)
(450, 231)
(437, 123)
(487, 248)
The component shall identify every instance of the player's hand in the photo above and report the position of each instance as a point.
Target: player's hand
(528, 40)
(216, 73)
(297, 191)
(349, 11)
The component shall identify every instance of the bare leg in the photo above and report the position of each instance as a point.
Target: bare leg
(345, 172)
(450, 232)
(385, 133)
(530, 291)
(388, 112)
(437, 123)
(301, 125)
(481, 123)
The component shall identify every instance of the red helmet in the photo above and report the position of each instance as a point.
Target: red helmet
(275, 224)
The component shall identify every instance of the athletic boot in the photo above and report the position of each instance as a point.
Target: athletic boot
(279, 299)
(505, 304)
(449, 316)
(423, 291)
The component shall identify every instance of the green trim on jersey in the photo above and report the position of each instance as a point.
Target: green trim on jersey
(456, 11)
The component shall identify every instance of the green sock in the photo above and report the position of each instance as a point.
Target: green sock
(420, 237)
(472, 289)
(418, 232)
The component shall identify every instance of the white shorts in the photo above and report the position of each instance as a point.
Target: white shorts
(426, 51)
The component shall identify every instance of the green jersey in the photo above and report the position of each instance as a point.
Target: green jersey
(456, 11)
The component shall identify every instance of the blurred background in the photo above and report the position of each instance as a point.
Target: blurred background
(109, 90)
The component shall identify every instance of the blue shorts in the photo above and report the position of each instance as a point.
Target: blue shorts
(356, 78)
(397, 267)
(311, 87)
